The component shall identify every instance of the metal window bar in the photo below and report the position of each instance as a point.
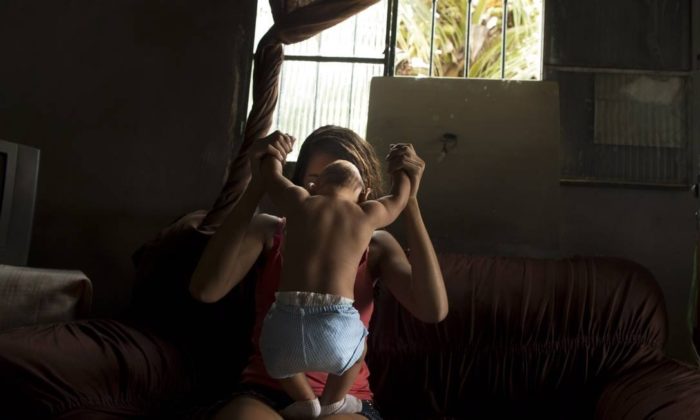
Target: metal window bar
(387, 61)
(352, 73)
(318, 71)
(330, 59)
(467, 41)
(504, 26)
(392, 13)
(432, 37)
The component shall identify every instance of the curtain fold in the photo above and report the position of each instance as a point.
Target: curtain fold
(295, 21)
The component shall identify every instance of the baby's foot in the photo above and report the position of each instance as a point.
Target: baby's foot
(302, 410)
(347, 405)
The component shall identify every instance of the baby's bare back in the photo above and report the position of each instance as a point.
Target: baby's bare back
(324, 243)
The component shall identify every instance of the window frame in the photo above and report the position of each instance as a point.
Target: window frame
(390, 44)
(388, 61)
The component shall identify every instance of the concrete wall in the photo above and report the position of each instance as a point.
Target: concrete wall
(653, 227)
(134, 105)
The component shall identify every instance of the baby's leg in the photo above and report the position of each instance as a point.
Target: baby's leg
(297, 387)
(306, 405)
(335, 398)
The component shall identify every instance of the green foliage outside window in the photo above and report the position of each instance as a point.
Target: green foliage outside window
(523, 38)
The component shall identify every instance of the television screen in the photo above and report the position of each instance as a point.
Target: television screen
(19, 170)
(3, 170)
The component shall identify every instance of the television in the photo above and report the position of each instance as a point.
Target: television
(19, 172)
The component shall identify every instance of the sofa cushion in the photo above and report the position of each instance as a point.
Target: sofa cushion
(31, 296)
(519, 331)
(666, 389)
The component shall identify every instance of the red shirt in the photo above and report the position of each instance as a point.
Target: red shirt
(267, 284)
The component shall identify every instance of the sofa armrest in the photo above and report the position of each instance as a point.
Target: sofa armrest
(665, 389)
(98, 365)
(30, 296)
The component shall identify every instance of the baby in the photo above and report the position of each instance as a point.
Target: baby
(313, 326)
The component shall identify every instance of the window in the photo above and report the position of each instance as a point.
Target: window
(326, 79)
(626, 127)
(454, 41)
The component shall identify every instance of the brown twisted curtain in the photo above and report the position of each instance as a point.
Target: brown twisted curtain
(295, 21)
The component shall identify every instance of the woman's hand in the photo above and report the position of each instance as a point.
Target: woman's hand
(402, 157)
(277, 144)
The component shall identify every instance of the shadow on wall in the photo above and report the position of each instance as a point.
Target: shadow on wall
(131, 104)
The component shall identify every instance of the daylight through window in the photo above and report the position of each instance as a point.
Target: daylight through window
(326, 79)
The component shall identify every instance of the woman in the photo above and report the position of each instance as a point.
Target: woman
(415, 281)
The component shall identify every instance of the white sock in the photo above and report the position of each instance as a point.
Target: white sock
(347, 405)
(309, 409)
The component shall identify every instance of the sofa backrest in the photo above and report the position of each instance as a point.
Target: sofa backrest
(519, 332)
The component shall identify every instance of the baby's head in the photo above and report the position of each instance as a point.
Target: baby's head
(340, 176)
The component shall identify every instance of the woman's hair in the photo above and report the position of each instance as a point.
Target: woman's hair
(341, 143)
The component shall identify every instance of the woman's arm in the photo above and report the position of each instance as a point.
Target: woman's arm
(416, 281)
(281, 190)
(233, 249)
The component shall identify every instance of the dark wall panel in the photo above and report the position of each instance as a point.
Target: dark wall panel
(132, 104)
(652, 34)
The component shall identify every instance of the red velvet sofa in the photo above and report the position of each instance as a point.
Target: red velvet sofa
(578, 338)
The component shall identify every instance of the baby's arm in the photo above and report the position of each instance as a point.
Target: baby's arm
(282, 191)
(384, 211)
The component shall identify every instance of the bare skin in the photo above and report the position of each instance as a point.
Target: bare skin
(248, 408)
(327, 234)
(415, 281)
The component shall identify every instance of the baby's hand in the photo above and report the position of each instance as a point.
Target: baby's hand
(402, 157)
(277, 145)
